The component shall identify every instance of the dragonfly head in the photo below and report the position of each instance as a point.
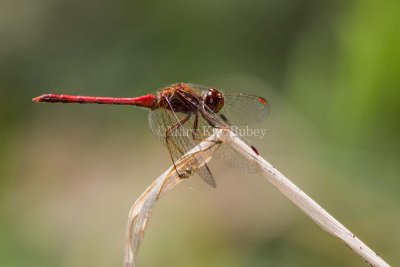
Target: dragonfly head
(214, 100)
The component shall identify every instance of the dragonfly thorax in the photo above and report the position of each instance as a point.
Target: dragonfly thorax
(179, 98)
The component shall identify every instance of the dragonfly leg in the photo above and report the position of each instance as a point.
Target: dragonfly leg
(195, 131)
(168, 135)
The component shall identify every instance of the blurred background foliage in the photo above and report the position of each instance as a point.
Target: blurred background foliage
(69, 173)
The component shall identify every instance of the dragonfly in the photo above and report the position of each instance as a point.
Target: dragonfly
(183, 114)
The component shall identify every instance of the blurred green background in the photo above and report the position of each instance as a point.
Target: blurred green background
(69, 173)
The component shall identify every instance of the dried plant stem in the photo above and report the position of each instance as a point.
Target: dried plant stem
(304, 202)
(141, 210)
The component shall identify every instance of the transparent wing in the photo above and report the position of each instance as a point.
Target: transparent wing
(242, 109)
(234, 160)
(180, 139)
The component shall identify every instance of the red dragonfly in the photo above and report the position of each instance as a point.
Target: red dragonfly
(182, 114)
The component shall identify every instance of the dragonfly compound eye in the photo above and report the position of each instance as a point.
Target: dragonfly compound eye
(214, 100)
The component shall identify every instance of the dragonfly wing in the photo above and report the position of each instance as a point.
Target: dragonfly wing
(205, 173)
(180, 141)
(243, 109)
(234, 160)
